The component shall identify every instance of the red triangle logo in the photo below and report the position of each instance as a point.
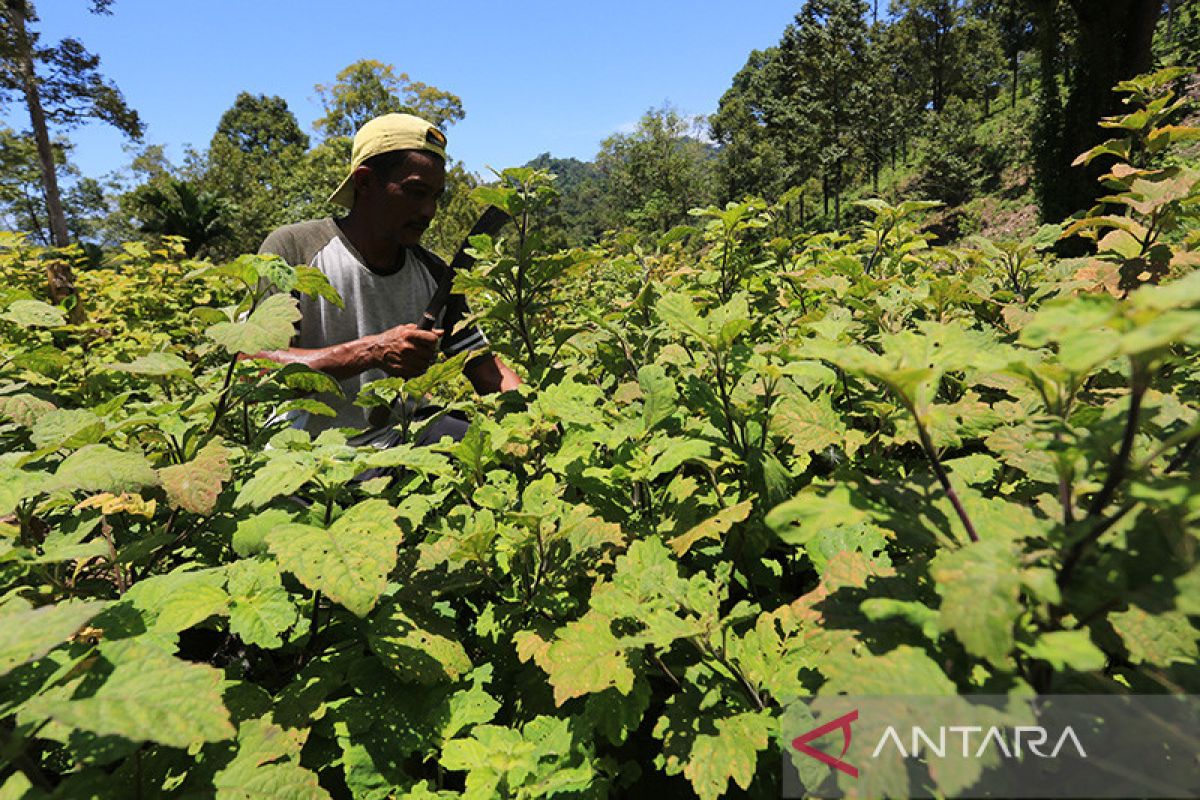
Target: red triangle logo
(801, 743)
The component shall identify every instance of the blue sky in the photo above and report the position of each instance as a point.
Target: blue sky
(534, 75)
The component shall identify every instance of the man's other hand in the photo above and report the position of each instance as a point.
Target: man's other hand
(405, 351)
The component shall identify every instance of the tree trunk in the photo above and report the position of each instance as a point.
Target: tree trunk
(1112, 44)
(1016, 66)
(37, 121)
(60, 280)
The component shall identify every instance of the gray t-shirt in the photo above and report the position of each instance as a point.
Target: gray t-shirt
(372, 304)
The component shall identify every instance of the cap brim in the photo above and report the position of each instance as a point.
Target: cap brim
(344, 195)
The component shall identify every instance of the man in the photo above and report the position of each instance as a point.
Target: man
(373, 259)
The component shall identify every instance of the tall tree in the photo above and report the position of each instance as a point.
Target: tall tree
(368, 88)
(70, 91)
(755, 139)
(257, 146)
(823, 54)
(656, 174)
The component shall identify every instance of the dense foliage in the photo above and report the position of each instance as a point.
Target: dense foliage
(749, 465)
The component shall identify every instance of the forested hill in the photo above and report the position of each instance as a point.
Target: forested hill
(982, 106)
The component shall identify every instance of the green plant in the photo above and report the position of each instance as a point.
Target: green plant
(760, 469)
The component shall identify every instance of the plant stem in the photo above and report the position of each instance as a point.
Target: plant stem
(223, 401)
(943, 478)
(1116, 472)
(1073, 555)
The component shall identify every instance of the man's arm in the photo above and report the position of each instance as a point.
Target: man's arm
(488, 374)
(404, 351)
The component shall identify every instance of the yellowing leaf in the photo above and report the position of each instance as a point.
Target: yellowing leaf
(731, 753)
(714, 527)
(349, 561)
(1161, 639)
(24, 409)
(124, 503)
(586, 658)
(195, 486)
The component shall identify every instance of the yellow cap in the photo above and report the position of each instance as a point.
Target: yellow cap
(383, 135)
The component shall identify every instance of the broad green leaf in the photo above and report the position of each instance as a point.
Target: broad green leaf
(349, 561)
(406, 456)
(418, 644)
(1068, 650)
(16, 485)
(304, 378)
(312, 282)
(266, 766)
(1161, 639)
(155, 698)
(250, 537)
(34, 314)
(730, 754)
(809, 425)
(680, 314)
(980, 587)
(157, 365)
(1187, 587)
(712, 528)
(903, 671)
(30, 634)
(658, 393)
(269, 327)
(676, 453)
(195, 486)
(259, 607)
(615, 715)
(815, 509)
(179, 600)
(99, 468)
(18, 787)
(69, 428)
(47, 360)
(918, 614)
(468, 707)
(284, 473)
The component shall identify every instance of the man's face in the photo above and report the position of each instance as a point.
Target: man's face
(404, 202)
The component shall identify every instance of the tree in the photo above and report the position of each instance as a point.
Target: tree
(749, 126)
(179, 208)
(823, 54)
(257, 146)
(656, 174)
(70, 92)
(1109, 42)
(368, 88)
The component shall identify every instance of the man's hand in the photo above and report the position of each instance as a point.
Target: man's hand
(405, 351)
